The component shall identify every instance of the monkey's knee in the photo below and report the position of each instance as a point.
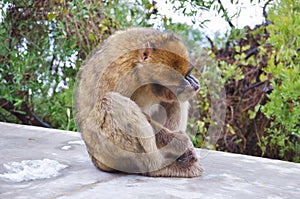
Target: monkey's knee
(126, 117)
(118, 134)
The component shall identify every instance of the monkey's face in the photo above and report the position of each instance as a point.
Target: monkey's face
(166, 83)
(161, 67)
(169, 71)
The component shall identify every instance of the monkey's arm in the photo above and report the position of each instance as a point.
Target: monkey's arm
(164, 136)
(167, 140)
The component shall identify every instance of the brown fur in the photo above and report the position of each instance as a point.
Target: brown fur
(129, 109)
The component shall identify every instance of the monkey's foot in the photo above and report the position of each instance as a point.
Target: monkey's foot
(180, 170)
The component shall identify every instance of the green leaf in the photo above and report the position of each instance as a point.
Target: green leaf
(51, 16)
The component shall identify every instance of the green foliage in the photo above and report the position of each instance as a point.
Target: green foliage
(283, 109)
(42, 46)
(258, 123)
(132, 13)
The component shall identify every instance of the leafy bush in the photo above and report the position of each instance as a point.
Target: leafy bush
(283, 109)
(42, 46)
(261, 75)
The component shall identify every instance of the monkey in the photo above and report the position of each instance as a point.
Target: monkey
(132, 105)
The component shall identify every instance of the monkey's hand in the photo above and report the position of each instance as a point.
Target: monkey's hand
(179, 141)
(189, 156)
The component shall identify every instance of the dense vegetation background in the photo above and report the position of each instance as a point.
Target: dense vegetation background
(43, 44)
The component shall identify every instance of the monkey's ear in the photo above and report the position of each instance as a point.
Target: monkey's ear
(146, 51)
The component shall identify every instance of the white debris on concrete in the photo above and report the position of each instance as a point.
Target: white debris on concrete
(76, 142)
(67, 147)
(28, 170)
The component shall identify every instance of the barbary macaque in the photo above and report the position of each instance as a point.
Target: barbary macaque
(132, 105)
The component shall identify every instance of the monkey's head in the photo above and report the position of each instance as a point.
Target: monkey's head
(164, 63)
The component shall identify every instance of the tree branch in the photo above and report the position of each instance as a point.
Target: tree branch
(27, 117)
(212, 46)
(225, 14)
(265, 14)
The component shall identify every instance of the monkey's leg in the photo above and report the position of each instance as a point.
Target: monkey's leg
(119, 137)
(187, 164)
(177, 116)
(167, 140)
(176, 120)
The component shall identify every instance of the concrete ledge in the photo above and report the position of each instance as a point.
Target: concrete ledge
(226, 175)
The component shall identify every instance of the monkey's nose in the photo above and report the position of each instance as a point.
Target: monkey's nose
(196, 86)
(193, 82)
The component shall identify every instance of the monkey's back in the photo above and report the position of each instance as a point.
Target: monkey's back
(97, 76)
(116, 46)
